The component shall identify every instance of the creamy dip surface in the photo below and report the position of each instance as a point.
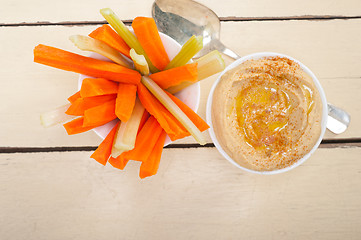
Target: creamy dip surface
(266, 113)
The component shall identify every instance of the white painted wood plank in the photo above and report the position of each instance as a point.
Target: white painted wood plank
(331, 49)
(196, 195)
(29, 89)
(326, 47)
(18, 11)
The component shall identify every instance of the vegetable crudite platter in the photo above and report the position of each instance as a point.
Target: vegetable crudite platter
(132, 90)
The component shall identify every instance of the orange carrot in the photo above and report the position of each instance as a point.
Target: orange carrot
(78, 107)
(74, 97)
(120, 162)
(76, 126)
(151, 165)
(145, 141)
(68, 61)
(102, 153)
(147, 33)
(169, 123)
(143, 120)
(179, 131)
(107, 35)
(91, 87)
(144, 144)
(194, 117)
(100, 114)
(175, 76)
(125, 101)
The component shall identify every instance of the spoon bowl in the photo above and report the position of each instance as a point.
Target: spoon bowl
(183, 18)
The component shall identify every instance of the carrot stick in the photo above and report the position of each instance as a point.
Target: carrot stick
(107, 35)
(91, 87)
(68, 61)
(90, 102)
(76, 126)
(147, 33)
(169, 123)
(143, 120)
(100, 114)
(151, 165)
(145, 141)
(175, 76)
(78, 107)
(102, 153)
(179, 130)
(120, 162)
(74, 97)
(194, 117)
(125, 101)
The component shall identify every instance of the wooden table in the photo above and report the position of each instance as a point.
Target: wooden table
(51, 189)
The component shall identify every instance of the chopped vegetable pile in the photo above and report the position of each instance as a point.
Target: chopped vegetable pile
(136, 89)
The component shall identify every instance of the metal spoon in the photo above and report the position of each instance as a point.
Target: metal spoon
(183, 18)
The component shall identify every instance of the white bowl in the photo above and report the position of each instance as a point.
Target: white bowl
(189, 95)
(258, 56)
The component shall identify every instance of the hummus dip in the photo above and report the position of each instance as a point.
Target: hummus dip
(266, 113)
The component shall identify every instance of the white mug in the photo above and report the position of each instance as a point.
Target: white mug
(258, 56)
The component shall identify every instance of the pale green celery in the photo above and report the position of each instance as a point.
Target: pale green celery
(127, 131)
(126, 35)
(55, 116)
(140, 63)
(115, 151)
(189, 49)
(86, 43)
(173, 109)
(209, 64)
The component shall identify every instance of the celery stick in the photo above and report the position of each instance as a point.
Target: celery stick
(127, 131)
(174, 109)
(118, 137)
(126, 35)
(86, 43)
(140, 63)
(209, 64)
(55, 116)
(189, 49)
(180, 87)
(116, 152)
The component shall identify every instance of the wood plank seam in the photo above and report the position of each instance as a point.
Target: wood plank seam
(223, 19)
(287, 18)
(344, 143)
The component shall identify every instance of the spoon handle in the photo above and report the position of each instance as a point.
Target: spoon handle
(217, 44)
(337, 120)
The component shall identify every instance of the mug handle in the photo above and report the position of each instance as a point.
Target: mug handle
(337, 120)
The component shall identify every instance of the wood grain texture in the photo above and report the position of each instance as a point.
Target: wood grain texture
(70, 11)
(332, 50)
(196, 195)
